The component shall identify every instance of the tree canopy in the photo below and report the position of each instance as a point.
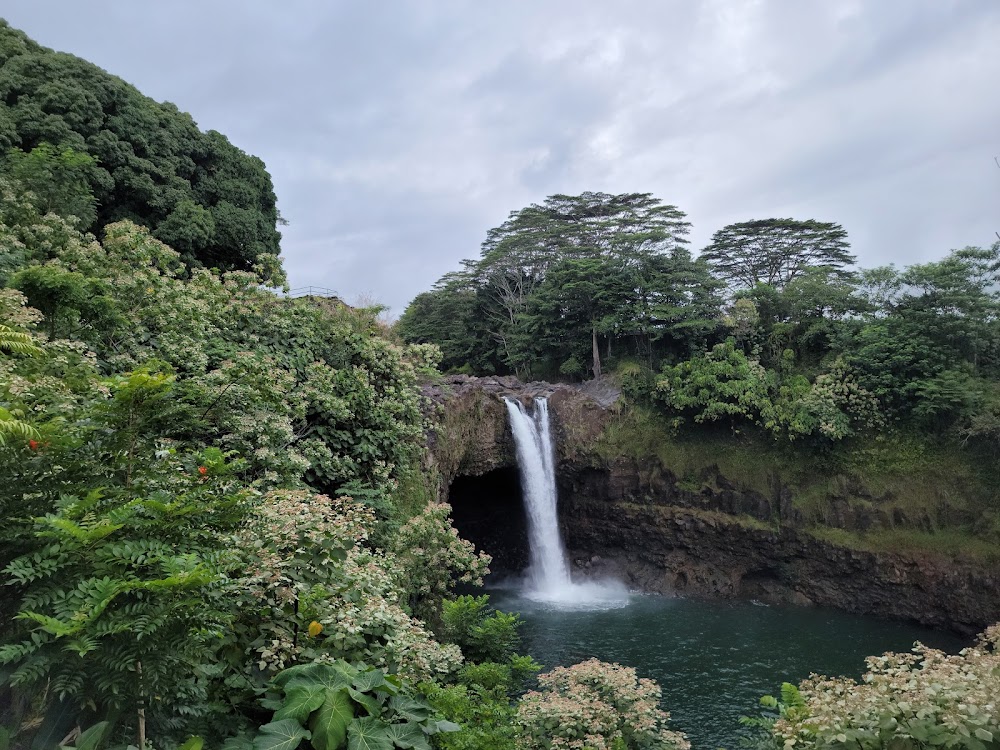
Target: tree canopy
(149, 162)
(777, 251)
(560, 282)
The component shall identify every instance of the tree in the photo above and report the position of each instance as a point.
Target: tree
(597, 246)
(919, 327)
(149, 161)
(59, 180)
(445, 316)
(777, 251)
(557, 281)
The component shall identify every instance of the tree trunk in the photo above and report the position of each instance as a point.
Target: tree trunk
(597, 354)
(142, 707)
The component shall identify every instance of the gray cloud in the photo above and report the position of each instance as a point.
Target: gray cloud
(397, 134)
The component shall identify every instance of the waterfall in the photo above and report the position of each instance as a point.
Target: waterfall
(548, 575)
(549, 572)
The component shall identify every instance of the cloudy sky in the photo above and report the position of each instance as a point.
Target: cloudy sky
(399, 133)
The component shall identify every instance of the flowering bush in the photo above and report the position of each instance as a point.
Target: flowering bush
(835, 407)
(308, 562)
(919, 699)
(595, 706)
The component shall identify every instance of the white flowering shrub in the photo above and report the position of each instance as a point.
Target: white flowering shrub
(926, 698)
(595, 706)
(835, 407)
(315, 589)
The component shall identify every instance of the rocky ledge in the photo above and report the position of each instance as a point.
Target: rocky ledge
(633, 519)
(678, 551)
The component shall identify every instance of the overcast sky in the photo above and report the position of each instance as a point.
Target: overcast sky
(398, 133)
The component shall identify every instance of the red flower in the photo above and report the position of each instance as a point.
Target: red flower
(33, 444)
(202, 470)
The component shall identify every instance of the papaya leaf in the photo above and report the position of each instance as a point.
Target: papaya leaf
(408, 736)
(373, 679)
(368, 702)
(368, 733)
(408, 708)
(301, 701)
(329, 724)
(286, 734)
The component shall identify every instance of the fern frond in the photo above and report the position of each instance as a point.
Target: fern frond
(17, 342)
(12, 427)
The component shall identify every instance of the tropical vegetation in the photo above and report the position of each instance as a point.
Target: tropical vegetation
(218, 524)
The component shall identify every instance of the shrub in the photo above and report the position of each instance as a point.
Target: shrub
(431, 559)
(919, 699)
(309, 563)
(595, 706)
(481, 634)
(337, 705)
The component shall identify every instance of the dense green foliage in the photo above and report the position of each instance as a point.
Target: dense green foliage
(162, 429)
(215, 526)
(141, 160)
(335, 705)
(800, 346)
(563, 285)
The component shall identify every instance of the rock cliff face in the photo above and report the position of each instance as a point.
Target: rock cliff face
(635, 520)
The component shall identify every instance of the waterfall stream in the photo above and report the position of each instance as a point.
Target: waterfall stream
(549, 572)
(548, 577)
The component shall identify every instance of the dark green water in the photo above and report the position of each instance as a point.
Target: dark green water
(713, 659)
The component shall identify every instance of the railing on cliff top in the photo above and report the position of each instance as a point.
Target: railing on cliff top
(312, 291)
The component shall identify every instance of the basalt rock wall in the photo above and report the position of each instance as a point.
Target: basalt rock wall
(635, 520)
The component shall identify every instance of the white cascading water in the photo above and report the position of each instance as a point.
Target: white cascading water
(548, 576)
(549, 572)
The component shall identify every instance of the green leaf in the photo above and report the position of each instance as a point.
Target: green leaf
(240, 742)
(331, 676)
(281, 735)
(90, 738)
(371, 680)
(447, 726)
(408, 708)
(329, 724)
(408, 736)
(984, 734)
(301, 701)
(193, 743)
(368, 733)
(368, 702)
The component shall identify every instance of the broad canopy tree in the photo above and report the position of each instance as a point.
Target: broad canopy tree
(775, 252)
(561, 281)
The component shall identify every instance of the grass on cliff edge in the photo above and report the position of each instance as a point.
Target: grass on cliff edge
(952, 543)
(926, 484)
